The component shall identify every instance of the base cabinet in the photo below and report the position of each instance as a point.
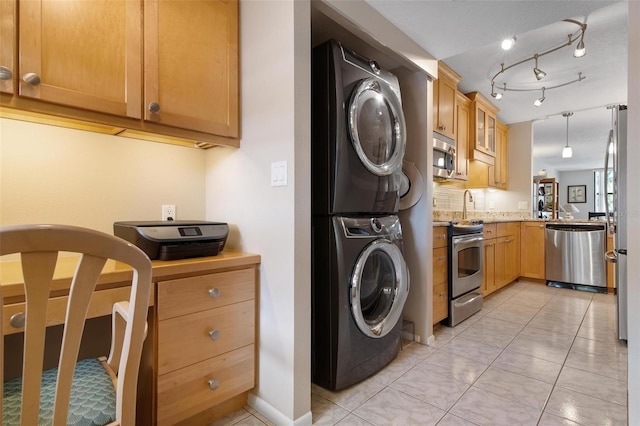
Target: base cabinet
(205, 343)
(440, 274)
(501, 255)
(532, 249)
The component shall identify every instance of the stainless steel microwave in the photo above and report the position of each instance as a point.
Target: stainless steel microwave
(444, 157)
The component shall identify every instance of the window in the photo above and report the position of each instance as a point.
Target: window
(600, 196)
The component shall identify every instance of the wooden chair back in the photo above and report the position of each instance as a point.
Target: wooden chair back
(38, 246)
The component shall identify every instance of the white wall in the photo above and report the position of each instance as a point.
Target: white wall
(633, 196)
(273, 221)
(56, 175)
(577, 177)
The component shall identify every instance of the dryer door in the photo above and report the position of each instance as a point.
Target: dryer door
(379, 288)
(377, 127)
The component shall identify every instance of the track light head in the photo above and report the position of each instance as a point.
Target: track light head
(497, 96)
(580, 49)
(539, 73)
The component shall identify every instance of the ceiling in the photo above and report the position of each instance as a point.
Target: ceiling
(466, 35)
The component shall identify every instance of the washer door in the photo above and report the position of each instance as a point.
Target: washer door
(377, 127)
(379, 288)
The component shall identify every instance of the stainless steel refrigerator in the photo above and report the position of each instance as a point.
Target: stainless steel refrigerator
(616, 161)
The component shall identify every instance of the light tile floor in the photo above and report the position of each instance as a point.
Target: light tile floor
(534, 355)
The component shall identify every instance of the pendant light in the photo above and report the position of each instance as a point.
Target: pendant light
(566, 151)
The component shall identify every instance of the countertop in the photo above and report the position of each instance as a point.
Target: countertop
(503, 220)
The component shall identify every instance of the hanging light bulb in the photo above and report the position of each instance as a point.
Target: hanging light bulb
(567, 151)
(540, 100)
(508, 43)
(537, 71)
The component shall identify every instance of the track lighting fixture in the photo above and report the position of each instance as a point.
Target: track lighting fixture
(539, 74)
(537, 71)
(496, 95)
(540, 100)
(566, 151)
(508, 43)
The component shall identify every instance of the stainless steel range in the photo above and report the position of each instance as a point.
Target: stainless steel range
(466, 260)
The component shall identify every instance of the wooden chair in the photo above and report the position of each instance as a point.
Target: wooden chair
(38, 246)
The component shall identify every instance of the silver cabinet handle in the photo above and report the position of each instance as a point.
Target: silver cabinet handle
(214, 334)
(154, 106)
(17, 320)
(214, 384)
(31, 78)
(5, 73)
(214, 292)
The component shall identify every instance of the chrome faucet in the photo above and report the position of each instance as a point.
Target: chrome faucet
(464, 202)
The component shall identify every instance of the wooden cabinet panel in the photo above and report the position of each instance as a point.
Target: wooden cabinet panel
(186, 340)
(483, 129)
(186, 391)
(440, 274)
(191, 64)
(7, 45)
(189, 295)
(82, 54)
(532, 250)
(444, 101)
(489, 231)
(439, 236)
(462, 138)
(489, 273)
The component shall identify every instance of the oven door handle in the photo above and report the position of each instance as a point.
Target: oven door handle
(466, 242)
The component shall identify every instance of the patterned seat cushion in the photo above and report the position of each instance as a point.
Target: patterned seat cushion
(93, 397)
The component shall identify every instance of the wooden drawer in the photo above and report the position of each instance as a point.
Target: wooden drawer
(508, 228)
(439, 236)
(194, 294)
(489, 231)
(440, 266)
(186, 392)
(185, 340)
(440, 300)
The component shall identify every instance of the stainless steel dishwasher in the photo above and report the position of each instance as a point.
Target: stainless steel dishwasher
(574, 254)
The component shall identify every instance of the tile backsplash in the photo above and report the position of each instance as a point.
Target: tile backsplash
(448, 204)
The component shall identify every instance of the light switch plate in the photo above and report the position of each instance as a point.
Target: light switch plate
(279, 173)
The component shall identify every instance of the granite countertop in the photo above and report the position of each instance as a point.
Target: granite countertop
(503, 220)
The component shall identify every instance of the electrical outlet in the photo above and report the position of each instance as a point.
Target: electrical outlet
(168, 212)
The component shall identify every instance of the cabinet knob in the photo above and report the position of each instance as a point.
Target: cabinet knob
(5, 73)
(214, 384)
(31, 78)
(154, 106)
(214, 292)
(17, 320)
(214, 334)
(441, 127)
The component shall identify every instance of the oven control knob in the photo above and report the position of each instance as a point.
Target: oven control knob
(376, 225)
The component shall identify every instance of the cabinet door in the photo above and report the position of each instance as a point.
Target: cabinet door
(512, 258)
(440, 284)
(489, 273)
(501, 262)
(85, 54)
(462, 137)
(446, 123)
(191, 65)
(7, 45)
(532, 250)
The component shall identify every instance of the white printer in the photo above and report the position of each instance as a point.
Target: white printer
(177, 239)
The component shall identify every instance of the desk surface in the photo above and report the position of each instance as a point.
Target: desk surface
(117, 274)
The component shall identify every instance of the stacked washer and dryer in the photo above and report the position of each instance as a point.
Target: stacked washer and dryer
(360, 280)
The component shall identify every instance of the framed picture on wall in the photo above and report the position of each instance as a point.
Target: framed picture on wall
(577, 193)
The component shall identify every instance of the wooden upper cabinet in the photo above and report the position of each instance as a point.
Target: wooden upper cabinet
(462, 139)
(84, 54)
(499, 172)
(7, 45)
(444, 101)
(483, 130)
(191, 65)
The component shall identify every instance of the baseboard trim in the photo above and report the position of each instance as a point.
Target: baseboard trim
(274, 415)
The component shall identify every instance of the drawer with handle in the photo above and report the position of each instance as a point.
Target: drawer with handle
(193, 338)
(187, 295)
(188, 391)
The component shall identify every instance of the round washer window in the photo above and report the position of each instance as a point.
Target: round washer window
(377, 127)
(379, 288)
